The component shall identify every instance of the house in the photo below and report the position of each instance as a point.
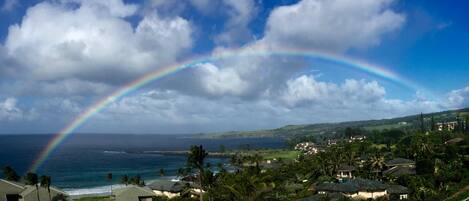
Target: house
(15, 191)
(354, 188)
(449, 126)
(358, 138)
(134, 193)
(360, 189)
(345, 171)
(399, 166)
(172, 189)
(330, 196)
(308, 148)
(397, 192)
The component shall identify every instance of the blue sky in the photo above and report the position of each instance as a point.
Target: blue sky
(57, 57)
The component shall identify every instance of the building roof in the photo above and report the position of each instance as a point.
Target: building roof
(344, 167)
(396, 189)
(13, 183)
(32, 189)
(132, 193)
(166, 185)
(352, 186)
(399, 161)
(399, 170)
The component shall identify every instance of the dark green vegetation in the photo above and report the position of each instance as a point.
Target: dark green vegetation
(440, 157)
(407, 123)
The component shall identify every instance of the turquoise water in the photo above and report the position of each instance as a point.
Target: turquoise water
(82, 162)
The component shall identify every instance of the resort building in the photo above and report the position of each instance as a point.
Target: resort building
(448, 126)
(15, 191)
(355, 188)
(345, 172)
(357, 138)
(399, 166)
(134, 193)
(172, 189)
(359, 189)
(308, 148)
(167, 188)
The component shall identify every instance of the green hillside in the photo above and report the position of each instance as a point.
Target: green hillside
(330, 129)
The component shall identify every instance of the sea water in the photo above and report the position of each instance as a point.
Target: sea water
(81, 163)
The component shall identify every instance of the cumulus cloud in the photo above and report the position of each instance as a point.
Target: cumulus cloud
(458, 98)
(9, 111)
(331, 25)
(94, 42)
(240, 14)
(305, 89)
(221, 81)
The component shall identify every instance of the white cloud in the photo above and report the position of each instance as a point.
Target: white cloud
(306, 90)
(240, 14)
(55, 42)
(332, 25)
(221, 81)
(458, 98)
(9, 111)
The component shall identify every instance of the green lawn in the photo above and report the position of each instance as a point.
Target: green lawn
(284, 154)
(94, 199)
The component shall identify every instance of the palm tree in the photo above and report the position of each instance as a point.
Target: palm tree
(195, 159)
(377, 163)
(46, 182)
(109, 178)
(32, 179)
(10, 174)
(162, 172)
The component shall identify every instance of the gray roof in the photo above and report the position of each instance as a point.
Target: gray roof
(344, 167)
(397, 189)
(132, 193)
(399, 170)
(352, 186)
(170, 186)
(400, 161)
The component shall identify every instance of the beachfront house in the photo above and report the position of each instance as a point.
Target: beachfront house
(397, 192)
(134, 193)
(167, 188)
(16, 191)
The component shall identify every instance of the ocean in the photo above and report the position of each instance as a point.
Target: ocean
(81, 163)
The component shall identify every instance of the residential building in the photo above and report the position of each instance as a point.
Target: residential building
(16, 191)
(345, 171)
(399, 166)
(134, 193)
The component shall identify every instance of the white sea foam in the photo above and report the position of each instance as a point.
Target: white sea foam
(99, 190)
(114, 152)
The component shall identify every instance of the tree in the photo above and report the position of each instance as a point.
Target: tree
(32, 179)
(433, 128)
(422, 124)
(377, 163)
(10, 174)
(109, 178)
(196, 159)
(125, 180)
(162, 172)
(46, 182)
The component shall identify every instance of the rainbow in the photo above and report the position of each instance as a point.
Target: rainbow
(192, 62)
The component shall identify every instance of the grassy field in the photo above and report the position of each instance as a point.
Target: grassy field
(94, 199)
(278, 153)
